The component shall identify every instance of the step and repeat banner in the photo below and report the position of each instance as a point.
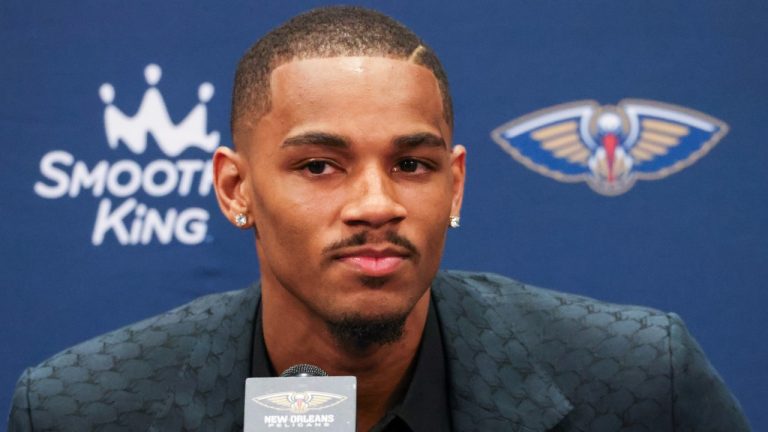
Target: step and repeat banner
(615, 150)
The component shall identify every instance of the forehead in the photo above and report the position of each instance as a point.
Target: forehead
(354, 95)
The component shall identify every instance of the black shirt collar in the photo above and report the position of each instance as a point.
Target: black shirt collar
(261, 367)
(425, 404)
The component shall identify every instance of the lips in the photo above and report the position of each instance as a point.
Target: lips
(373, 262)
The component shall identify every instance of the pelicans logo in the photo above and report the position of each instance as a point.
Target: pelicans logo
(610, 147)
(299, 402)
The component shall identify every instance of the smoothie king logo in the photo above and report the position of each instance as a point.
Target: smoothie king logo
(610, 147)
(116, 183)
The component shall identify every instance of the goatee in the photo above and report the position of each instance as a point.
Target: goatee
(356, 333)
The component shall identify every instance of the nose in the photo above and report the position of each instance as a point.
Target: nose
(373, 200)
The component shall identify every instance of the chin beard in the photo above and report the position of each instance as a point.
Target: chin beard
(357, 333)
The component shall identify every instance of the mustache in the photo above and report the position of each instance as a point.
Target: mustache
(365, 237)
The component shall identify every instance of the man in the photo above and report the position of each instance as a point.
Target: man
(345, 171)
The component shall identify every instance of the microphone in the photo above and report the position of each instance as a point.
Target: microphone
(304, 397)
(303, 370)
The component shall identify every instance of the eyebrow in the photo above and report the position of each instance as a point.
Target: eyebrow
(316, 139)
(421, 139)
(406, 142)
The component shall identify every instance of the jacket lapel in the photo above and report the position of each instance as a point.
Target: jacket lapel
(494, 383)
(209, 390)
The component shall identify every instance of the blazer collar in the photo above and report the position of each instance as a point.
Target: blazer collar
(494, 381)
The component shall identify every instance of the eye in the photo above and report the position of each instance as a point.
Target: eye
(410, 165)
(318, 167)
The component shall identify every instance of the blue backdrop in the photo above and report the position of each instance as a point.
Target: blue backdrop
(97, 233)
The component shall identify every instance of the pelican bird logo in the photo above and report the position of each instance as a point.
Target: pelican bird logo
(299, 402)
(610, 147)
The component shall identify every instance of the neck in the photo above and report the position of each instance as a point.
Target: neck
(382, 371)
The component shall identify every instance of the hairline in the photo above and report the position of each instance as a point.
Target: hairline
(253, 117)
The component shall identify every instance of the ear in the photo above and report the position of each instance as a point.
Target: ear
(229, 169)
(458, 169)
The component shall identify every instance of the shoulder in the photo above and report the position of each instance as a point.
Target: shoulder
(534, 303)
(153, 341)
(129, 369)
(605, 358)
(552, 324)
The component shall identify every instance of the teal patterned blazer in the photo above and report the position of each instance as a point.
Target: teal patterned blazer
(519, 358)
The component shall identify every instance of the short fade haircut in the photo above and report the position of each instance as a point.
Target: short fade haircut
(334, 31)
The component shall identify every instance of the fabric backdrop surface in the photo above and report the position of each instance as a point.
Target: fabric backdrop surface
(649, 187)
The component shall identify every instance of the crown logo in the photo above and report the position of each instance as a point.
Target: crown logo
(152, 118)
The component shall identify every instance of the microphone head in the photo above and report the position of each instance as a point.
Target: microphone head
(303, 370)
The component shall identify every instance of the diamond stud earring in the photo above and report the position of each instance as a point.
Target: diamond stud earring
(453, 221)
(240, 220)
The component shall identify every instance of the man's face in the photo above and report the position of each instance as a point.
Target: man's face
(351, 179)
